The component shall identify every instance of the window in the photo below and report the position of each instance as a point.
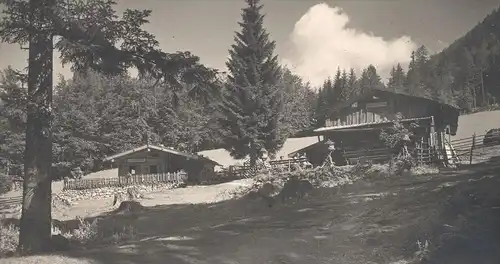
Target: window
(132, 169)
(153, 169)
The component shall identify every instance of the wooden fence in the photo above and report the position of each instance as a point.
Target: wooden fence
(7, 202)
(83, 184)
(422, 155)
(243, 172)
(473, 150)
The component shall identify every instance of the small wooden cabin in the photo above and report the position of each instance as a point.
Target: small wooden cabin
(355, 126)
(150, 159)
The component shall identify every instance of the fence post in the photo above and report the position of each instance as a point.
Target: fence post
(472, 147)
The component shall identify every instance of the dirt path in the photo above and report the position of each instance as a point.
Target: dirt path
(188, 195)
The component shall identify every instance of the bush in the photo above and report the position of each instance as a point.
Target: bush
(9, 239)
(93, 233)
(5, 184)
(424, 170)
(326, 176)
(87, 233)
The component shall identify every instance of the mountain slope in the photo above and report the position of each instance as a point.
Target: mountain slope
(476, 55)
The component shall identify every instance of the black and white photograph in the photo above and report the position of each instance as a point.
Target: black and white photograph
(249, 131)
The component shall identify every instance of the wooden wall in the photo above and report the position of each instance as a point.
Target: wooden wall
(164, 162)
(382, 108)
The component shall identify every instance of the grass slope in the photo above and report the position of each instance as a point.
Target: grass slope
(478, 123)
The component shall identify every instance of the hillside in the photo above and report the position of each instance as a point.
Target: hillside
(476, 52)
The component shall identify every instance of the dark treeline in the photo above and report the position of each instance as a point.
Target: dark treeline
(97, 115)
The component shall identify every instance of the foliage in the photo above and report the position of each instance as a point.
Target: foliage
(397, 79)
(95, 116)
(88, 233)
(5, 183)
(252, 105)
(298, 106)
(319, 177)
(396, 138)
(398, 133)
(333, 92)
(12, 121)
(9, 238)
(370, 80)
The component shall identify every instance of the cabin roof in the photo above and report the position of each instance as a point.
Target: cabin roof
(161, 149)
(381, 92)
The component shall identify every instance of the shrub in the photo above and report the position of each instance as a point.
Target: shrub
(95, 233)
(5, 184)
(86, 232)
(326, 176)
(424, 170)
(9, 239)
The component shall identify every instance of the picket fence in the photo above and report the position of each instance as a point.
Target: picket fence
(82, 184)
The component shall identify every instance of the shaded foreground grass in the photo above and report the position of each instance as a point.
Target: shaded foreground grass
(376, 222)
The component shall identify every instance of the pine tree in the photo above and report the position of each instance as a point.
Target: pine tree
(471, 81)
(321, 109)
(441, 80)
(417, 79)
(337, 88)
(299, 103)
(253, 101)
(352, 84)
(421, 60)
(396, 79)
(370, 80)
(328, 91)
(344, 86)
(412, 77)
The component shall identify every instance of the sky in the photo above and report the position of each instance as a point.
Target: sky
(313, 38)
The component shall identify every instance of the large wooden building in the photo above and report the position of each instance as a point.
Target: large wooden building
(355, 126)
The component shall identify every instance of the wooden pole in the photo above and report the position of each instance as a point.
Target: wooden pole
(472, 147)
(484, 103)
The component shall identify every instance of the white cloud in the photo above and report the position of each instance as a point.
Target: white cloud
(321, 42)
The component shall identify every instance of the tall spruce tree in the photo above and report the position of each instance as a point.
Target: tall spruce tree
(352, 84)
(370, 80)
(253, 100)
(344, 86)
(321, 108)
(337, 87)
(396, 79)
(412, 77)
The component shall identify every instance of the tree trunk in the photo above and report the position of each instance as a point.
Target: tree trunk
(35, 231)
